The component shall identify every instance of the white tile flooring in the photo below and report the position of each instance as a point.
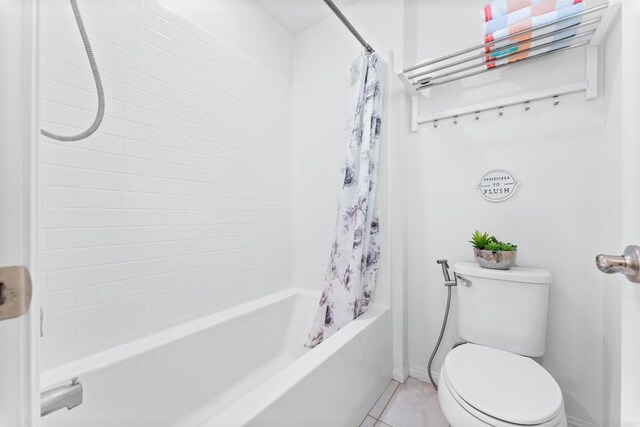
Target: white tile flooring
(412, 404)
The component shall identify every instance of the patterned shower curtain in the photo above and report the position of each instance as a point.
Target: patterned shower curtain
(355, 255)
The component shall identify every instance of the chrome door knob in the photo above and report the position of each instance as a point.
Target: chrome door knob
(627, 263)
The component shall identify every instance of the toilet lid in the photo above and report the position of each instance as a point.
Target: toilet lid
(503, 385)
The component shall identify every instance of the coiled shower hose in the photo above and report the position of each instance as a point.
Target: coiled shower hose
(96, 77)
(444, 326)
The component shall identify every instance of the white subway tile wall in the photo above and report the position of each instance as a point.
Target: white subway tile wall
(319, 135)
(180, 205)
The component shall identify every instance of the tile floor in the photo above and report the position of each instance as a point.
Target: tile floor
(412, 404)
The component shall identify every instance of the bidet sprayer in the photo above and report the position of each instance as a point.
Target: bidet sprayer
(448, 283)
(445, 272)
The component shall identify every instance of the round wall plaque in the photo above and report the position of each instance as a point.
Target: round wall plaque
(498, 185)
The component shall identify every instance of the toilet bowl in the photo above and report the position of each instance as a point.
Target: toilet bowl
(484, 386)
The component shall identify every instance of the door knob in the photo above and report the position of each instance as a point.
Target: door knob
(15, 292)
(627, 263)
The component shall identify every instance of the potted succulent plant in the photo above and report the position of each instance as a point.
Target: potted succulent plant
(492, 253)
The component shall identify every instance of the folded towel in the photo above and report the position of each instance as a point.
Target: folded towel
(503, 7)
(492, 63)
(496, 51)
(499, 49)
(499, 8)
(542, 7)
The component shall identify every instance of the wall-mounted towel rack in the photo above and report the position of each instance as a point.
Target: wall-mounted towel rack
(461, 64)
(594, 23)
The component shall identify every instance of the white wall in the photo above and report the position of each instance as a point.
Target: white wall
(556, 217)
(180, 204)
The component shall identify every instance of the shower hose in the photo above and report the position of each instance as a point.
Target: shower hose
(444, 326)
(96, 77)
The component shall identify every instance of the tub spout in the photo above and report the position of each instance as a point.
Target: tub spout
(67, 396)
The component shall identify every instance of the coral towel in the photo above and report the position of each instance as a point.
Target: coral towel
(495, 52)
(498, 8)
(541, 7)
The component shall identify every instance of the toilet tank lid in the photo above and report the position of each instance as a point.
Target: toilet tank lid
(515, 274)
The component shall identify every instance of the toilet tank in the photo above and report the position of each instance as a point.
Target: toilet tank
(503, 309)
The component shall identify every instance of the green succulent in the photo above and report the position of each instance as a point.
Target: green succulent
(480, 240)
(508, 247)
(487, 242)
(492, 246)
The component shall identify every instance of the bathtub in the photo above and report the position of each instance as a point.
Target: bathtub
(243, 366)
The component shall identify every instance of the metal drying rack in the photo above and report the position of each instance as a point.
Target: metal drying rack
(473, 61)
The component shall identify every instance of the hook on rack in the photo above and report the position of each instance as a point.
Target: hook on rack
(553, 96)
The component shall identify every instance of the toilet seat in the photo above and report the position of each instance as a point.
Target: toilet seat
(498, 388)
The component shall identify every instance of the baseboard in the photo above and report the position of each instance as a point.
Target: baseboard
(577, 422)
(421, 374)
(401, 375)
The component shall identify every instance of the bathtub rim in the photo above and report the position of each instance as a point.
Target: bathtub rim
(62, 374)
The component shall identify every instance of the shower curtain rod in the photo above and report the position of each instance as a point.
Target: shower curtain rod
(347, 24)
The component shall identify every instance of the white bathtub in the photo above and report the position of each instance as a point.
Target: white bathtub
(244, 366)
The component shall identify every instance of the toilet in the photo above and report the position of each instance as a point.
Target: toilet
(492, 380)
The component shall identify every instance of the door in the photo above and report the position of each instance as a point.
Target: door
(630, 293)
(621, 296)
(19, 391)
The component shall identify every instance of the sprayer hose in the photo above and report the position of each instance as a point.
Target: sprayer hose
(96, 77)
(444, 326)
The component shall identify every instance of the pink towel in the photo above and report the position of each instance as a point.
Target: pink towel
(495, 52)
(499, 8)
(503, 7)
(541, 7)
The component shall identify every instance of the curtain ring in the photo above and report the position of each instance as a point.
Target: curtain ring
(435, 123)
(455, 120)
(527, 106)
(477, 115)
(501, 111)
(556, 100)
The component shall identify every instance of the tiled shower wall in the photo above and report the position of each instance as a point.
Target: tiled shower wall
(180, 204)
(319, 131)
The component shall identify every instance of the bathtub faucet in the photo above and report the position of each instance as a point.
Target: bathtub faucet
(67, 396)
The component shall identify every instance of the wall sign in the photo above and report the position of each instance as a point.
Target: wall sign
(498, 185)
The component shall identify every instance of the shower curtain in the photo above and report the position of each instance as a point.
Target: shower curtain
(355, 254)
